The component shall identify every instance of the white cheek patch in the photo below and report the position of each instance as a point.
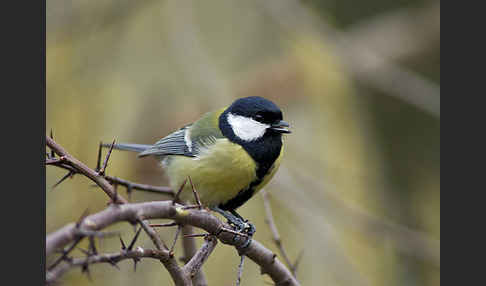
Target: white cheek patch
(246, 128)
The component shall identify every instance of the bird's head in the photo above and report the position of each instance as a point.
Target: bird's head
(252, 118)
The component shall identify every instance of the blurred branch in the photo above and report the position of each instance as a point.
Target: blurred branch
(360, 58)
(398, 34)
(407, 240)
(120, 210)
(189, 248)
(276, 236)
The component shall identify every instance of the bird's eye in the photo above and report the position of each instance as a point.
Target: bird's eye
(259, 117)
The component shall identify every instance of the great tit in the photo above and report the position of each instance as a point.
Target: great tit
(228, 154)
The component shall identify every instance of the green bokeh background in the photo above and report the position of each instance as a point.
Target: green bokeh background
(359, 186)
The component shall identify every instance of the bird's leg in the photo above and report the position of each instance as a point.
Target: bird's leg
(251, 228)
(240, 224)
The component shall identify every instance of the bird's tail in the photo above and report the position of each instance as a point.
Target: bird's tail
(129, 147)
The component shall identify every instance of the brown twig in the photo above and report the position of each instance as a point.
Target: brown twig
(196, 195)
(142, 187)
(195, 263)
(101, 172)
(190, 249)
(112, 258)
(83, 169)
(176, 236)
(240, 270)
(276, 236)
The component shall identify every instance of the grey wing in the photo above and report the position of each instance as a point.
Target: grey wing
(176, 143)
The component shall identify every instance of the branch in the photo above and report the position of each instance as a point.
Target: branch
(276, 236)
(112, 258)
(190, 249)
(195, 217)
(142, 187)
(194, 265)
(67, 159)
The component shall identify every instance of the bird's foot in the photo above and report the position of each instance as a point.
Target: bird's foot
(239, 225)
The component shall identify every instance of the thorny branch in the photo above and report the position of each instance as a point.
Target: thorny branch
(119, 210)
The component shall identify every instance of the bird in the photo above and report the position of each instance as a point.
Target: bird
(228, 155)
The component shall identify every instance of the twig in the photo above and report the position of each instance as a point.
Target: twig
(142, 187)
(240, 270)
(196, 196)
(112, 258)
(101, 172)
(189, 250)
(171, 251)
(194, 265)
(176, 197)
(83, 169)
(276, 236)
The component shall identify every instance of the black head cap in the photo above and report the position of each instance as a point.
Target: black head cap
(258, 108)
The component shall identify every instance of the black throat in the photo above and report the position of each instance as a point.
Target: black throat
(264, 151)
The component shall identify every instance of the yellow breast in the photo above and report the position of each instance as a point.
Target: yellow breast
(218, 173)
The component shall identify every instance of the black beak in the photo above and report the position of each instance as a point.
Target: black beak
(281, 127)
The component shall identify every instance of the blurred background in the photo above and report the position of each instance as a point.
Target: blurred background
(359, 81)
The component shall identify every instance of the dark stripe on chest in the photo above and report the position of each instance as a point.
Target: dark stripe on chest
(244, 195)
(264, 151)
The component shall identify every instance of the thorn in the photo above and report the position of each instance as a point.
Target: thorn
(123, 247)
(171, 251)
(297, 261)
(164, 224)
(234, 232)
(135, 261)
(87, 253)
(113, 263)
(85, 269)
(65, 253)
(69, 174)
(129, 192)
(196, 196)
(191, 207)
(92, 245)
(105, 163)
(130, 247)
(196, 235)
(98, 162)
(273, 258)
(176, 197)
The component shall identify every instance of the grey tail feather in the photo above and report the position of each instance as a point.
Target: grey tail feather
(129, 147)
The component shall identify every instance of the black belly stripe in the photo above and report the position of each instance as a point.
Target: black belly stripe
(241, 197)
(264, 151)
